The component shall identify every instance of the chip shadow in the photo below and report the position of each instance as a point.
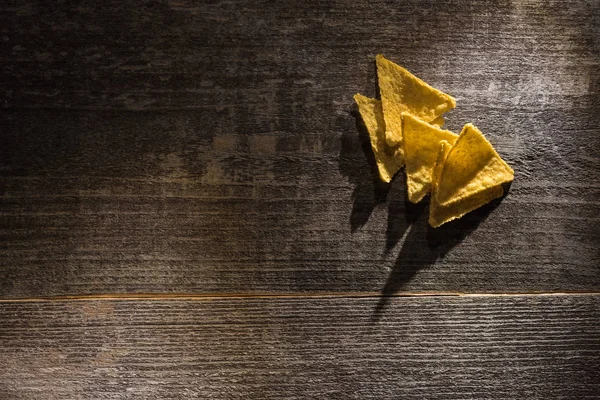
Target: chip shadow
(424, 245)
(361, 169)
(401, 212)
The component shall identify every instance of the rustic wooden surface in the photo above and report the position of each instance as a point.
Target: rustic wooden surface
(210, 148)
(534, 347)
(160, 148)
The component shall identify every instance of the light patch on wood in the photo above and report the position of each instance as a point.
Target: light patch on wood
(97, 310)
(311, 144)
(224, 142)
(108, 356)
(173, 165)
(214, 173)
(263, 144)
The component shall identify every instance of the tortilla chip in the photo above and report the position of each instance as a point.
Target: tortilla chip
(472, 166)
(439, 122)
(389, 160)
(401, 92)
(440, 214)
(421, 148)
(443, 151)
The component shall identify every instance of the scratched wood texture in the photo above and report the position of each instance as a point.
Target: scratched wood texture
(213, 147)
(534, 347)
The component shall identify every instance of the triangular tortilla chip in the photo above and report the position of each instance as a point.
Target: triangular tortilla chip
(401, 92)
(472, 166)
(421, 148)
(440, 214)
(389, 160)
(439, 122)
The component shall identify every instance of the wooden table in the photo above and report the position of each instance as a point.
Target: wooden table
(188, 206)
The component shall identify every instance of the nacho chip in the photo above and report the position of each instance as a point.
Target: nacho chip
(439, 122)
(472, 166)
(443, 151)
(401, 92)
(389, 160)
(421, 148)
(440, 214)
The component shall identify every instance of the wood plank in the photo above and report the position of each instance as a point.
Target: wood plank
(496, 347)
(212, 148)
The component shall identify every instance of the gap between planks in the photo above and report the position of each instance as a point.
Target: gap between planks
(218, 296)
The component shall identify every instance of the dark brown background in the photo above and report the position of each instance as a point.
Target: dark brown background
(150, 150)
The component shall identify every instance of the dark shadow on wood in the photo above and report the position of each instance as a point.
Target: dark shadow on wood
(401, 213)
(424, 245)
(377, 90)
(361, 170)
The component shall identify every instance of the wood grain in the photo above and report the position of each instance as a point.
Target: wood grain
(337, 348)
(179, 147)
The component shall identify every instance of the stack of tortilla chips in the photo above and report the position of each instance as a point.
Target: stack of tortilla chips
(462, 172)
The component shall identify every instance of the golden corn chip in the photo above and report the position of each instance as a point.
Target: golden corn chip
(440, 214)
(439, 122)
(401, 92)
(471, 166)
(421, 148)
(443, 150)
(389, 160)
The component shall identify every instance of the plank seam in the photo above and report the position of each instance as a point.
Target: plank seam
(213, 296)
